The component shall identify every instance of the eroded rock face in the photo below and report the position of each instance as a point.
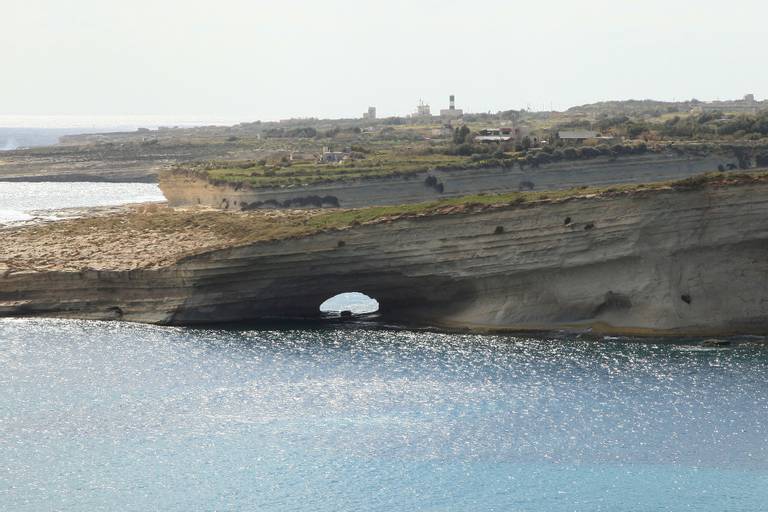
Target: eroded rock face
(183, 189)
(667, 261)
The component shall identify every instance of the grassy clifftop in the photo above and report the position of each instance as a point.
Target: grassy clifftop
(259, 174)
(361, 163)
(390, 162)
(157, 236)
(342, 218)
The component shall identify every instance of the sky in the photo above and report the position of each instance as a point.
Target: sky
(243, 60)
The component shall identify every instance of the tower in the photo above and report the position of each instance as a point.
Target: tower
(371, 114)
(422, 110)
(451, 113)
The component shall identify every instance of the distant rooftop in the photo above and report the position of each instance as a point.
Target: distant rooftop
(578, 134)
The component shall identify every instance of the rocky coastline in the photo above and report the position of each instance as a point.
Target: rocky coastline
(686, 258)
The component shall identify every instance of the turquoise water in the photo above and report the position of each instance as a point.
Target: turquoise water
(108, 416)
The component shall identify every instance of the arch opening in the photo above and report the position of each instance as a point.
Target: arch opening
(349, 305)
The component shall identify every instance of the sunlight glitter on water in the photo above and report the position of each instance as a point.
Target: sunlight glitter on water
(98, 416)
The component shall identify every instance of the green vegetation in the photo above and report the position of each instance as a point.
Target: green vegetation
(361, 162)
(291, 151)
(343, 218)
(288, 153)
(359, 165)
(120, 240)
(707, 125)
(460, 135)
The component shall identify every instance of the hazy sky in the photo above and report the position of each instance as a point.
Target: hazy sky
(246, 60)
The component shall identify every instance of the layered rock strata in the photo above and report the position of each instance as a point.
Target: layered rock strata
(692, 261)
(183, 188)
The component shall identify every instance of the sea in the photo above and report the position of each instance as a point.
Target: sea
(26, 131)
(353, 416)
(99, 416)
(25, 202)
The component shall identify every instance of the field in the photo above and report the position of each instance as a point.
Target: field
(378, 164)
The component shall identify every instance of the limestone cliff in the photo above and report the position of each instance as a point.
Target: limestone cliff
(684, 260)
(183, 188)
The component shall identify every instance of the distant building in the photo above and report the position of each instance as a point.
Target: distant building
(746, 105)
(494, 138)
(503, 134)
(329, 156)
(423, 114)
(577, 136)
(371, 114)
(451, 113)
(584, 137)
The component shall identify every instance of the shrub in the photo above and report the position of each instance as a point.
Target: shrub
(570, 154)
(464, 149)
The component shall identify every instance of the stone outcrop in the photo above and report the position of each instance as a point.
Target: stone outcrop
(669, 261)
(183, 188)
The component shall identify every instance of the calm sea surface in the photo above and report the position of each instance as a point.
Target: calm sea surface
(20, 201)
(110, 416)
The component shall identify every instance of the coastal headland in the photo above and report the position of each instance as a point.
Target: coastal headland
(598, 218)
(678, 257)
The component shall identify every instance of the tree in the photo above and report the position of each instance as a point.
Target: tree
(460, 135)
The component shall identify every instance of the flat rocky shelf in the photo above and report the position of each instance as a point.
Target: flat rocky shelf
(676, 257)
